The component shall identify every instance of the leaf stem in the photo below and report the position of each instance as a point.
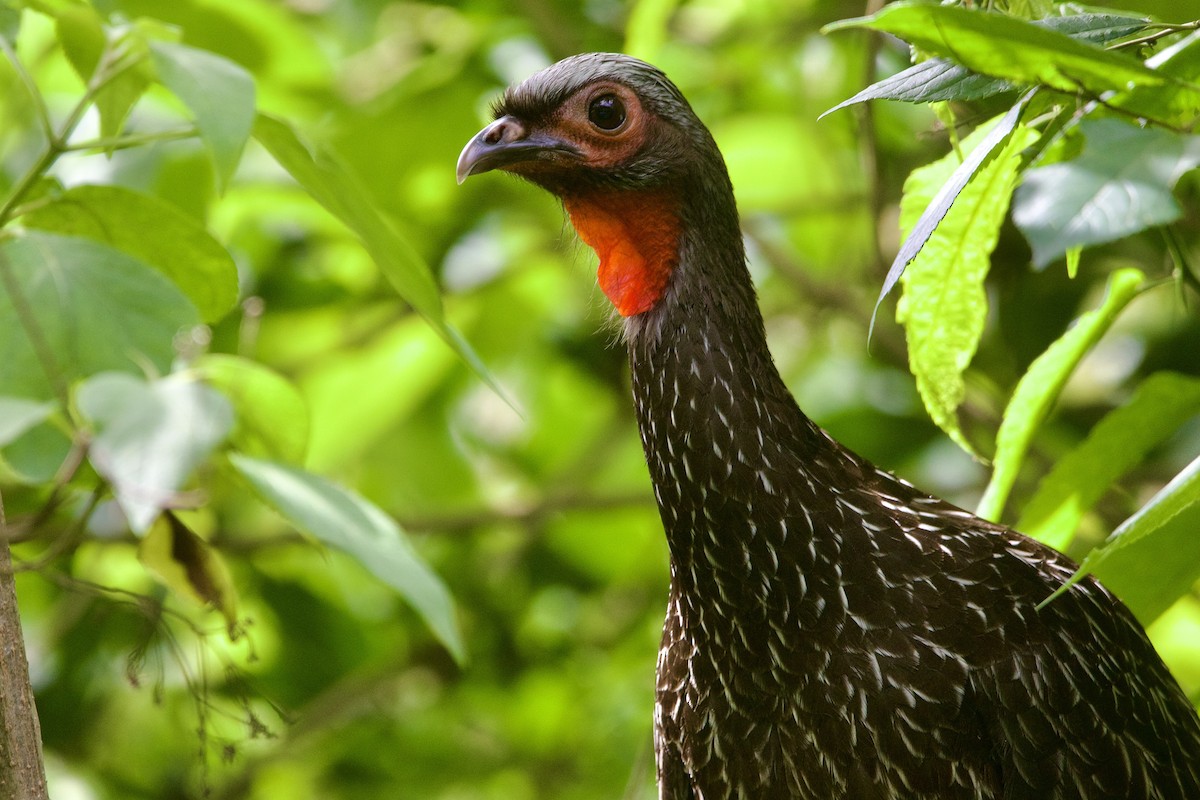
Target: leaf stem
(132, 140)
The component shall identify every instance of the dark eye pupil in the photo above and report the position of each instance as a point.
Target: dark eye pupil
(607, 112)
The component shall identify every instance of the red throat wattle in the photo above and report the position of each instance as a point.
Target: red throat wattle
(636, 235)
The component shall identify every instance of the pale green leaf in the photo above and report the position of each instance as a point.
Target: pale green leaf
(1119, 442)
(220, 95)
(81, 35)
(1119, 185)
(1041, 385)
(150, 436)
(272, 416)
(154, 232)
(944, 306)
(349, 522)
(95, 308)
(17, 415)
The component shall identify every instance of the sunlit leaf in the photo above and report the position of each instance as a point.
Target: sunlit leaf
(1119, 442)
(189, 566)
(932, 216)
(220, 95)
(1177, 103)
(95, 308)
(349, 522)
(944, 307)
(1006, 47)
(272, 417)
(1119, 185)
(150, 436)
(18, 415)
(154, 232)
(81, 35)
(937, 79)
(1153, 554)
(1041, 385)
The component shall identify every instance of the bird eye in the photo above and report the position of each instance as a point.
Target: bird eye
(607, 112)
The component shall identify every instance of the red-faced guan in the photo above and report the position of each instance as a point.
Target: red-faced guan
(831, 631)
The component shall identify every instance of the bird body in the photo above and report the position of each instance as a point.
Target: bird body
(831, 631)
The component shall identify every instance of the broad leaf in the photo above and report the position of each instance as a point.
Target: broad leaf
(349, 522)
(81, 35)
(1119, 185)
(272, 416)
(189, 567)
(1041, 385)
(95, 309)
(150, 436)
(944, 307)
(18, 415)
(1175, 104)
(1153, 557)
(1006, 47)
(1119, 442)
(154, 232)
(218, 92)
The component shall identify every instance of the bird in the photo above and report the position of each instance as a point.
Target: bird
(831, 631)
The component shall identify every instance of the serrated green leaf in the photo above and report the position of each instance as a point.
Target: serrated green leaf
(1041, 385)
(1151, 559)
(1005, 47)
(149, 437)
(272, 416)
(96, 308)
(936, 79)
(154, 232)
(220, 95)
(18, 414)
(81, 34)
(1119, 442)
(189, 566)
(1120, 184)
(944, 306)
(349, 522)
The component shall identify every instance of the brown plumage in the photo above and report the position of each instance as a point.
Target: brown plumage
(831, 631)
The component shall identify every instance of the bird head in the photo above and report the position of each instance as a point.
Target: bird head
(616, 141)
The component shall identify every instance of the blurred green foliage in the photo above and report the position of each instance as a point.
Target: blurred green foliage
(537, 515)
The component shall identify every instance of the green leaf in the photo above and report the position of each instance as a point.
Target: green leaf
(10, 23)
(96, 309)
(150, 436)
(154, 232)
(218, 92)
(1006, 47)
(936, 79)
(18, 415)
(81, 35)
(1119, 185)
(646, 30)
(1119, 442)
(190, 567)
(120, 93)
(1176, 104)
(944, 306)
(1153, 557)
(335, 187)
(941, 203)
(272, 416)
(349, 522)
(1041, 385)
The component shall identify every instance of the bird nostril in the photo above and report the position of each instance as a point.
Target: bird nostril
(495, 134)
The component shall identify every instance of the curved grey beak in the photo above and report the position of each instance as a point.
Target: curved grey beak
(507, 141)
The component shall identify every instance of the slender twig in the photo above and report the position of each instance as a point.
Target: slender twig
(130, 140)
(1166, 29)
(39, 102)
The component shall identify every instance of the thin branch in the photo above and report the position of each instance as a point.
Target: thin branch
(132, 140)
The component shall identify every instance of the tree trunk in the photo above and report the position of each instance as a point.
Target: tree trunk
(22, 775)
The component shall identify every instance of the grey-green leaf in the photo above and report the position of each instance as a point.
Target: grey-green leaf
(19, 414)
(1120, 184)
(150, 436)
(155, 232)
(220, 95)
(94, 309)
(349, 522)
